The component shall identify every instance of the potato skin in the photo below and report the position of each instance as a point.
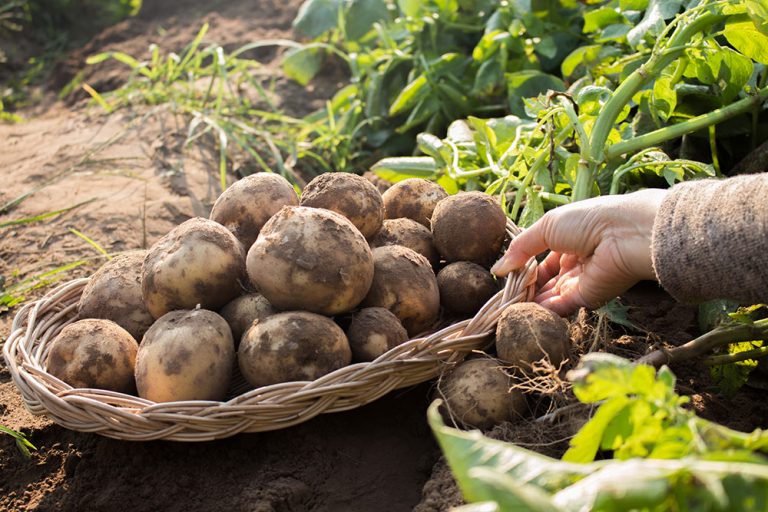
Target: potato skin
(197, 262)
(469, 226)
(408, 233)
(374, 331)
(243, 311)
(311, 259)
(414, 198)
(292, 346)
(526, 332)
(94, 353)
(477, 394)
(465, 287)
(349, 195)
(403, 282)
(249, 203)
(185, 355)
(114, 293)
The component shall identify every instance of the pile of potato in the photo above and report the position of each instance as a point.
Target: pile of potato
(286, 288)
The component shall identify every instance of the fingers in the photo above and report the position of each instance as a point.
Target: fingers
(522, 248)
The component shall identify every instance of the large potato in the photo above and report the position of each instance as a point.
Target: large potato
(198, 262)
(469, 226)
(408, 233)
(528, 332)
(114, 293)
(292, 346)
(349, 195)
(311, 259)
(186, 355)
(94, 353)
(249, 203)
(414, 198)
(403, 282)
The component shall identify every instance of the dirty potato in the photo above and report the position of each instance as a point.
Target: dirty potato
(94, 353)
(374, 331)
(198, 262)
(408, 233)
(414, 198)
(185, 355)
(114, 293)
(465, 287)
(243, 311)
(292, 346)
(528, 332)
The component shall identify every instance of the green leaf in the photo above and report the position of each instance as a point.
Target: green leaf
(653, 23)
(361, 15)
(742, 33)
(580, 58)
(600, 18)
(585, 444)
(302, 64)
(410, 96)
(410, 8)
(664, 96)
(533, 210)
(758, 12)
(493, 485)
(489, 77)
(529, 84)
(399, 168)
(316, 17)
(617, 313)
(715, 312)
(633, 5)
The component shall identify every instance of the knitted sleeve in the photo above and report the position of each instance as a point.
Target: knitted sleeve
(710, 240)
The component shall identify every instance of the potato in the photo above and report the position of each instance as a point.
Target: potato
(527, 332)
(186, 355)
(311, 259)
(403, 282)
(470, 226)
(380, 183)
(477, 393)
(349, 195)
(114, 293)
(94, 353)
(408, 233)
(292, 346)
(414, 198)
(197, 262)
(465, 287)
(243, 311)
(250, 202)
(374, 331)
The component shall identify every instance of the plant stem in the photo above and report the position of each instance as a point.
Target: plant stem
(735, 358)
(678, 130)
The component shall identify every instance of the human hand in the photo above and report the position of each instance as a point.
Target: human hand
(600, 247)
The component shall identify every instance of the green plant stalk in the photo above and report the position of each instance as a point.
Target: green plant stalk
(691, 125)
(735, 358)
(594, 154)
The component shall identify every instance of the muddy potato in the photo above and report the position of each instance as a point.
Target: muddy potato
(403, 282)
(292, 346)
(249, 203)
(381, 184)
(477, 394)
(94, 353)
(527, 332)
(408, 233)
(198, 262)
(414, 198)
(469, 226)
(243, 311)
(465, 287)
(311, 259)
(114, 293)
(349, 195)
(374, 331)
(185, 355)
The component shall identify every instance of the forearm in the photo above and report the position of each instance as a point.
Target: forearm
(710, 240)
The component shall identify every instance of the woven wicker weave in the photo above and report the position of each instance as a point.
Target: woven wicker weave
(127, 417)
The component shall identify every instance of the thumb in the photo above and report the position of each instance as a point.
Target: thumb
(522, 248)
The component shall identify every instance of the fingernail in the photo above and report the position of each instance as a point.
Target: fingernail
(498, 265)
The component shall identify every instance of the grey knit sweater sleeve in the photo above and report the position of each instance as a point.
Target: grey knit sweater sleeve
(710, 240)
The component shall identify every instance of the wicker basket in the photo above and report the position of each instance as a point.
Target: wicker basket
(128, 417)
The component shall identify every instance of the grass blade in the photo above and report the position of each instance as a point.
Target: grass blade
(91, 242)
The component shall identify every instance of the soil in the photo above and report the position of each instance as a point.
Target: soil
(136, 183)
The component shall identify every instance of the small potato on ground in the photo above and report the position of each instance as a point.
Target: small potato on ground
(374, 331)
(197, 262)
(249, 203)
(465, 287)
(349, 195)
(186, 355)
(243, 311)
(478, 394)
(403, 282)
(414, 198)
(469, 226)
(292, 346)
(528, 332)
(94, 353)
(311, 259)
(408, 233)
(114, 293)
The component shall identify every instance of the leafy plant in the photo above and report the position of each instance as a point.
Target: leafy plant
(22, 442)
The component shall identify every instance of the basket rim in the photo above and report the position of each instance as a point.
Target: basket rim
(277, 406)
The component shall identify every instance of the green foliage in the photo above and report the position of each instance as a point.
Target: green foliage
(22, 442)
(734, 371)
